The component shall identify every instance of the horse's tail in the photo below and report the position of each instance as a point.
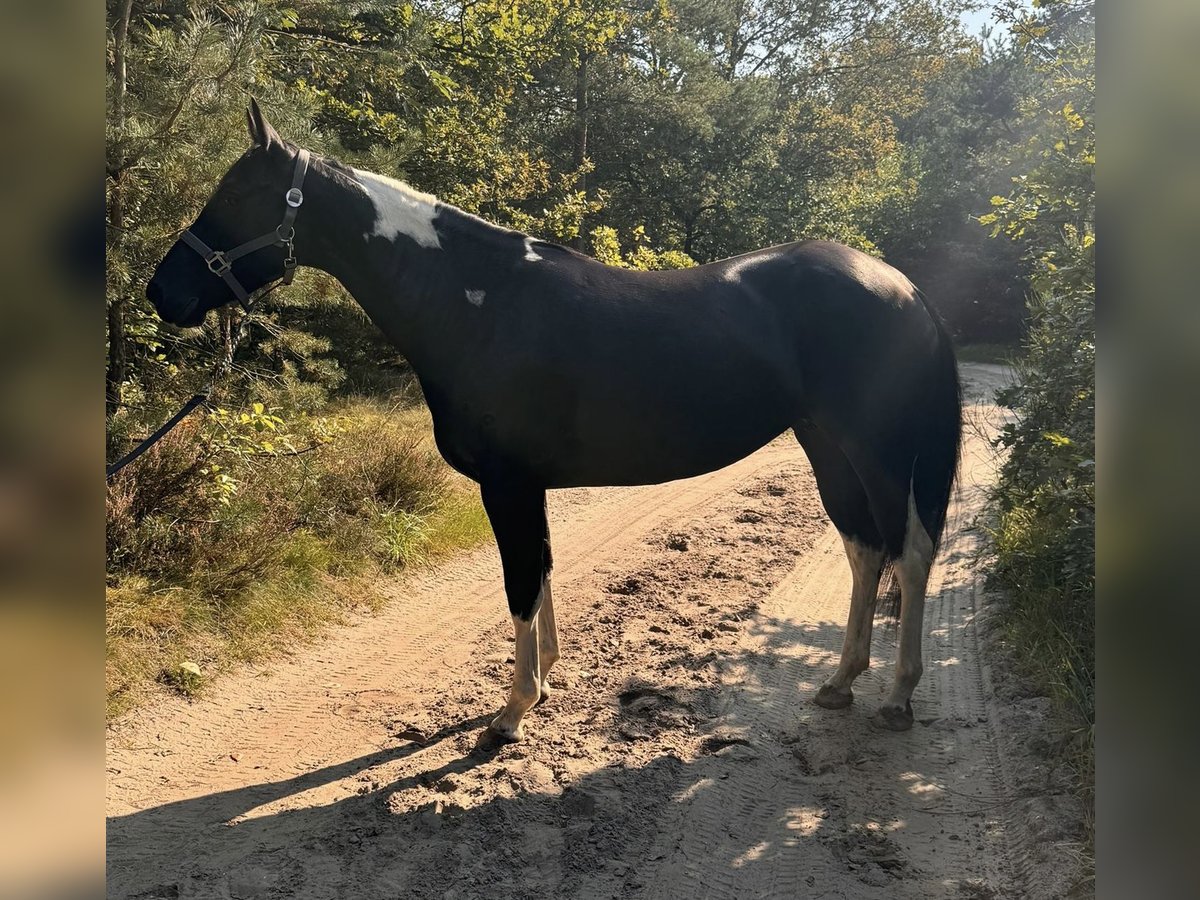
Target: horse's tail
(937, 446)
(939, 435)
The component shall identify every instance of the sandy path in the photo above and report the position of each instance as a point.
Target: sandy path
(680, 755)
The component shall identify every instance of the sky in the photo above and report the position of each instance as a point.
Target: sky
(976, 19)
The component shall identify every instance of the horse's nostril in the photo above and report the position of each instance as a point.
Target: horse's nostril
(154, 293)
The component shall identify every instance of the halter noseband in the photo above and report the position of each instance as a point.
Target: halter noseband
(221, 262)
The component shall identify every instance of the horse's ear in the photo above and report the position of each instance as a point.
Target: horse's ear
(262, 134)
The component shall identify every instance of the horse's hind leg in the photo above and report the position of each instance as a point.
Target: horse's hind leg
(888, 482)
(547, 634)
(865, 565)
(518, 516)
(912, 572)
(846, 502)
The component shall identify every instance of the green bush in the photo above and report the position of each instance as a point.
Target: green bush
(1044, 505)
(241, 531)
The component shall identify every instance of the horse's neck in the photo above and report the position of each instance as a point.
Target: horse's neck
(420, 269)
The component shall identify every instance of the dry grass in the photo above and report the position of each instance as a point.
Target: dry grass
(210, 578)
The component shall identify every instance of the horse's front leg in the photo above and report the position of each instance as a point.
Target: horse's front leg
(518, 516)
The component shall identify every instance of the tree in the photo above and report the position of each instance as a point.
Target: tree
(1045, 502)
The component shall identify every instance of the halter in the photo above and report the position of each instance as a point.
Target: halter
(221, 262)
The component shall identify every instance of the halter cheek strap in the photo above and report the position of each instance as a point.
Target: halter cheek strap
(221, 262)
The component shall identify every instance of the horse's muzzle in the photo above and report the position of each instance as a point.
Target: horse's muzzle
(186, 314)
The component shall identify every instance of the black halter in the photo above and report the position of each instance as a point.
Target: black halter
(221, 262)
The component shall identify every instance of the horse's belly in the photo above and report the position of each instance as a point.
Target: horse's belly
(652, 452)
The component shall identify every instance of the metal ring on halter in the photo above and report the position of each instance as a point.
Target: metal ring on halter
(222, 266)
(221, 262)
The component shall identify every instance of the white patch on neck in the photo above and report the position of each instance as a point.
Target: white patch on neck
(475, 298)
(400, 210)
(531, 255)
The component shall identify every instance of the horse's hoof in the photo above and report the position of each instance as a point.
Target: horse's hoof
(830, 697)
(503, 732)
(897, 718)
(544, 694)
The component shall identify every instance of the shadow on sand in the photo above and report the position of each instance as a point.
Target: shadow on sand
(760, 795)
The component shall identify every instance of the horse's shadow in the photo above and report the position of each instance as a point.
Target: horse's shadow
(249, 842)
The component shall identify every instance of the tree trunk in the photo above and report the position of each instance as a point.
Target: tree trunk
(581, 136)
(733, 44)
(117, 369)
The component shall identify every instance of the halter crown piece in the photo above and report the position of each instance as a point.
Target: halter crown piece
(221, 262)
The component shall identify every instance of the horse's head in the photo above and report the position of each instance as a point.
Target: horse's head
(248, 203)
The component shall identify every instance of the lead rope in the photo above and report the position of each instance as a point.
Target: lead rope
(201, 399)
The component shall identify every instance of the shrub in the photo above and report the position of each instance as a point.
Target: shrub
(225, 539)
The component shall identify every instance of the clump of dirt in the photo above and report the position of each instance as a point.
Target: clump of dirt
(677, 541)
(868, 852)
(626, 586)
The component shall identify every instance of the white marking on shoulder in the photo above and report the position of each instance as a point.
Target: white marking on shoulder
(531, 255)
(400, 209)
(475, 297)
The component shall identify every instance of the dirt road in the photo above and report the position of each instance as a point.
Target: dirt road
(680, 754)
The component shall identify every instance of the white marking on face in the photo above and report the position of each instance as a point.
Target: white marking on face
(475, 298)
(531, 255)
(400, 210)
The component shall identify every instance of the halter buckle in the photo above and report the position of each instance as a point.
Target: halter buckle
(294, 197)
(218, 263)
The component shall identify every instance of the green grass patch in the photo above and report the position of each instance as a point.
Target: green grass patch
(220, 552)
(1048, 623)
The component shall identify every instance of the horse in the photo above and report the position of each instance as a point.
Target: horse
(544, 368)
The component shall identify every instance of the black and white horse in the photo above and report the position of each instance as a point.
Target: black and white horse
(545, 369)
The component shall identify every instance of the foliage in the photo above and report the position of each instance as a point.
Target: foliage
(958, 150)
(657, 134)
(1045, 504)
(213, 534)
(606, 247)
(715, 126)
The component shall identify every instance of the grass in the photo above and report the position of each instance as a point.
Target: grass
(999, 354)
(1042, 568)
(203, 576)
